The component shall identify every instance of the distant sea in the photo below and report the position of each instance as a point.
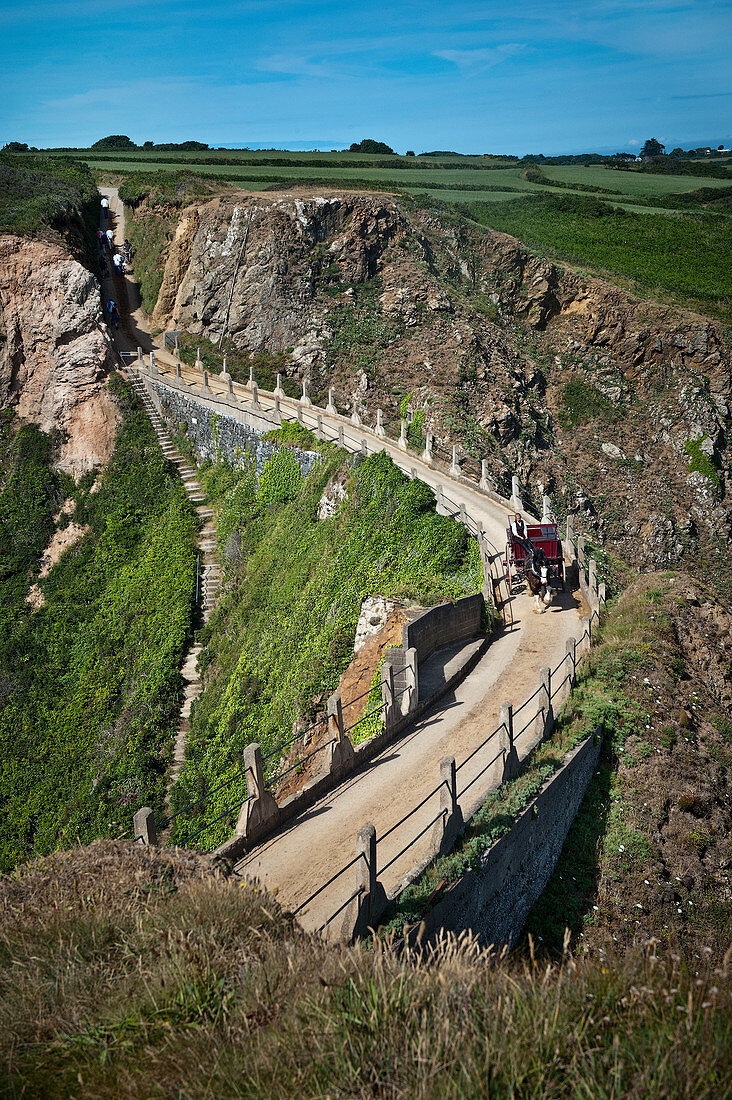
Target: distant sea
(284, 146)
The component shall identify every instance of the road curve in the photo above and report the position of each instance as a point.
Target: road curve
(312, 848)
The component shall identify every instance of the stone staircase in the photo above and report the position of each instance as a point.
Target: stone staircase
(210, 572)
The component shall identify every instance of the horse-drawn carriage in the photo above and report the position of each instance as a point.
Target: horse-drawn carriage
(547, 547)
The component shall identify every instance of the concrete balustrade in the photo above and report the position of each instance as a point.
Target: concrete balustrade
(379, 429)
(455, 470)
(402, 441)
(427, 452)
(330, 408)
(484, 483)
(143, 824)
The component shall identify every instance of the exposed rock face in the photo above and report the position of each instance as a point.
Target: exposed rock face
(288, 242)
(55, 350)
(485, 337)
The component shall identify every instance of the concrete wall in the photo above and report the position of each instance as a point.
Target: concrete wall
(218, 435)
(494, 901)
(444, 624)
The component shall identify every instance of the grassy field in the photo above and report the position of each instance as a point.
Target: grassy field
(683, 259)
(448, 177)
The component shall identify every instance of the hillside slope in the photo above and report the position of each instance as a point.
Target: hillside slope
(617, 406)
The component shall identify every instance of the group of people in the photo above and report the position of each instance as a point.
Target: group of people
(120, 259)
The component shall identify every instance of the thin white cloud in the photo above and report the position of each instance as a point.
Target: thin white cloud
(485, 57)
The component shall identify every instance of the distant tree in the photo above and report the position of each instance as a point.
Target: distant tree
(368, 145)
(410, 152)
(114, 141)
(652, 148)
(148, 145)
(15, 147)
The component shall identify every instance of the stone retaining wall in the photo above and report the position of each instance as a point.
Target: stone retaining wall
(494, 901)
(444, 624)
(216, 436)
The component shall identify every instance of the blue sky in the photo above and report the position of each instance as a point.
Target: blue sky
(476, 77)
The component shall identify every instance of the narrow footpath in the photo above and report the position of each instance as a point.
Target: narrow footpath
(133, 333)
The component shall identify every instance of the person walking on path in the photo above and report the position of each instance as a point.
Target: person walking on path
(110, 239)
(100, 238)
(105, 206)
(113, 314)
(119, 264)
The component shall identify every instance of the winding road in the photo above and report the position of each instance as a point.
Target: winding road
(316, 845)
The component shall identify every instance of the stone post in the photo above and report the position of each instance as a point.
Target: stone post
(546, 509)
(412, 673)
(300, 419)
(279, 392)
(388, 694)
(463, 514)
(402, 441)
(586, 640)
(199, 361)
(339, 754)
(355, 418)
(341, 437)
(144, 826)
(446, 830)
(305, 399)
(330, 408)
(366, 847)
(484, 484)
(205, 381)
(139, 353)
(364, 450)
(427, 452)
(572, 661)
(178, 373)
(225, 376)
(516, 502)
(545, 717)
(505, 735)
(230, 385)
(440, 499)
(260, 811)
(319, 433)
(455, 465)
(570, 529)
(255, 396)
(601, 592)
(581, 552)
(335, 716)
(177, 347)
(379, 429)
(592, 580)
(153, 367)
(250, 383)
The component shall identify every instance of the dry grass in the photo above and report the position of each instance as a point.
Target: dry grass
(134, 973)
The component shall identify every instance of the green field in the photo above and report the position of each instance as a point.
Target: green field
(453, 179)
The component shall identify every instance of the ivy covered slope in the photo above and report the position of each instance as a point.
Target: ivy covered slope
(89, 681)
(284, 631)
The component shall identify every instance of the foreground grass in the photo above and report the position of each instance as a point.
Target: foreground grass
(133, 972)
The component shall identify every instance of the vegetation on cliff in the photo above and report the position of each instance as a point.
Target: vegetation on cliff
(127, 972)
(43, 196)
(283, 631)
(90, 680)
(682, 259)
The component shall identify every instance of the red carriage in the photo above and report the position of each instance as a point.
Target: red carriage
(542, 536)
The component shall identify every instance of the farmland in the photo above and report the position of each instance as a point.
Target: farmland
(663, 234)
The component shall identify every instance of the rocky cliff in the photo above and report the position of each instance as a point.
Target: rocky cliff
(617, 406)
(55, 350)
